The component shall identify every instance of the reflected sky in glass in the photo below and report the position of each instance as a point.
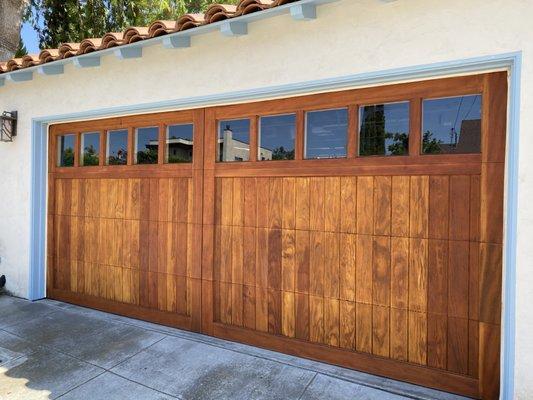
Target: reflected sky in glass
(184, 131)
(452, 125)
(326, 133)
(384, 129)
(276, 137)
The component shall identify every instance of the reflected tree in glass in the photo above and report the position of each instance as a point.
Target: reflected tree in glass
(147, 145)
(384, 129)
(90, 149)
(66, 151)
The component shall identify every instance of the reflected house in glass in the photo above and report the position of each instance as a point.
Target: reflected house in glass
(467, 141)
(231, 149)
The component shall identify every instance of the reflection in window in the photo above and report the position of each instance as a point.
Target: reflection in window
(179, 144)
(117, 147)
(326, 133)
(233, 140)
(65, 150)
(146, 145)
(452, 125)
(90, 148)
(276, 137)
(384, 129)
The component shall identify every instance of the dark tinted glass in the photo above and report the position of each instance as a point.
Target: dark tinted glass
(117, 147)
(179, 144)
(452, 125)
(276, 137)
(326, 133)
(65, 150)
(146, 145)
(90, 148)
(384, 129)
(233, 140)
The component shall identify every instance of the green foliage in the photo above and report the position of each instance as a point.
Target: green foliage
(67, 157)
(21, 51)
(90, 157)
(178, 159)
(400, 143)
(430, 145)
(148, 156)
(279, 153)
(64, 21)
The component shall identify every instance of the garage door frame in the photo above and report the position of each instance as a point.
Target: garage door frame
(512, 62)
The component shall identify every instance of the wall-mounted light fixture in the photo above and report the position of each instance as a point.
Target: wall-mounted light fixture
(8, 126)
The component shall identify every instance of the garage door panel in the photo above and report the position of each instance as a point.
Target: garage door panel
(388, 262)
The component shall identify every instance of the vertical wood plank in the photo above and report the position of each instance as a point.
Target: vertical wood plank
(400, 195)
(419, 205)
(382, 205)
(365, 205)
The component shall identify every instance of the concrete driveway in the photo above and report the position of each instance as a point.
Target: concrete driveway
(52, 350)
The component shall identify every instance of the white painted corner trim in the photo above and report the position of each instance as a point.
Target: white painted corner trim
(509, 61)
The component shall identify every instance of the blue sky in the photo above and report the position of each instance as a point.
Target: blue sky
(30, 38)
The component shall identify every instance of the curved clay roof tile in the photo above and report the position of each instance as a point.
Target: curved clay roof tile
(160, 28)
(112, 39)
(67, 50)
(89, 45)
(135, 34)
(3, 67)
(48, 55)
(251, 6)
(14, 64)
(30, 60)
(189, 21)
(219, 12)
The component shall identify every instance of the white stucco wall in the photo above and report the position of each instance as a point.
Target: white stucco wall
(349, 37)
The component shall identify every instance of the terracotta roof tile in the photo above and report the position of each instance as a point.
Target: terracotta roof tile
(214, 13)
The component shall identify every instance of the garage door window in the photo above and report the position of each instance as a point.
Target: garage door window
(233, 140)
(146, 145)
(384, 129)
(117, 147)
(65, 150)
(90, 149)
(326, 133)
(179, 144)
(452, 125)
(277, 135)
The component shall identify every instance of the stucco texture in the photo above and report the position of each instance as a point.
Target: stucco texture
(349, 37)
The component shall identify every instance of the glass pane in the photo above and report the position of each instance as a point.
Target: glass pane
(117, 147)
(384, 129)
(179, 144)
(90, 148)
(233, 140)
(65, 150)
(326, 133)
(452, 125)
(276, 137)
(146, 145)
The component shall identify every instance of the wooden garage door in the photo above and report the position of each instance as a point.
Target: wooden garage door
(361, 228)
(125, 236)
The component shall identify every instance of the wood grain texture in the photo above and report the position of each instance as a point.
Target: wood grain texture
(392, 260)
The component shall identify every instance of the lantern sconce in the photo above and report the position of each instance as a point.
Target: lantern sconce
(8, 125)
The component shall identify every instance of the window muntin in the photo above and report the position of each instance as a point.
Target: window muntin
(451, 125)
(90, 149)
(179, 144)
(117, 147)
(146, 145)
(233, 142)
(384, 129)
(326, 133)
(65, 150)
(277, 135)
